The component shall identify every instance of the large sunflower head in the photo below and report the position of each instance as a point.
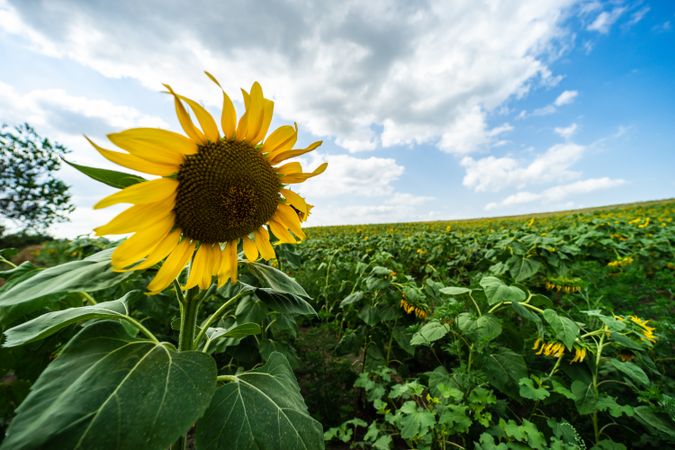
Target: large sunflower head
(212, 192)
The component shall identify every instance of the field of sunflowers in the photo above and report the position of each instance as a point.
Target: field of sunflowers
(543, 331)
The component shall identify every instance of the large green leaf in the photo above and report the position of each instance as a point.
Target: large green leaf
(263, 408)
(48, 324)
(565, 329)
(275, 279)
(522, 268)
(110, 177)
(90, 274)
(281, 301)
(504, 368)
(631, 370)
(108, 390)
(480, 331)
(430, 332)
(496, 291)
(585, 397)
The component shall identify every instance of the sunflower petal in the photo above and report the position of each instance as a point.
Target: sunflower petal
(289, 168)
(288, 217)
(228, 264)
(255, 112)
(228, 119)
(268, 110)
(172, 267)
(262, 241)
(300, 177)
(281, 139)
(283, 156)
(141, 193)
(205, 119)
(295, 200)
(185, 120)
(137, 217)
(134, 162)
(162, 141)
(198, 269)
(166, 246)
(281, 232)
(141, 244)
(250, 249)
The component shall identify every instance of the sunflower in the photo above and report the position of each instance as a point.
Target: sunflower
(213, 191)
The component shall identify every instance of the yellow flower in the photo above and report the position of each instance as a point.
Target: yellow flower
(621, 262)
(579, 354)
(213, 191)
(647, 331)
(549, 349)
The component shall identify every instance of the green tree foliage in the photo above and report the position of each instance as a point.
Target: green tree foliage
(30, 194)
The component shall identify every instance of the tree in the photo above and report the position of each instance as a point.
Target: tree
(30, 194)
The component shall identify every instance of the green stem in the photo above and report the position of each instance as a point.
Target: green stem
(468, 366)
(7, 261)
(188, 321)
(525, 304)
(594, 417)
(229, 378)
(141, 328)
(87, 298)
(475, 304)
(215, 316)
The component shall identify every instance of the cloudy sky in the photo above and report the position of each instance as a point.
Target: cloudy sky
(428, 110)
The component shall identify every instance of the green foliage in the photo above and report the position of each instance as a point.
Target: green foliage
(30, 194)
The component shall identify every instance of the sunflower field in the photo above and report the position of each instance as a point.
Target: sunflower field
(220, 323)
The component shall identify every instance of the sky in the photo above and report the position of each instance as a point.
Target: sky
(428, 110)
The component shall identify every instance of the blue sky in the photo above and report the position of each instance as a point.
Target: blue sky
(428, 110)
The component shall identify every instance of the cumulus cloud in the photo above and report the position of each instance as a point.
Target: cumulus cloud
(558, 193)
(379, 74)
(565, 98)
(492, 174)
(566, 132)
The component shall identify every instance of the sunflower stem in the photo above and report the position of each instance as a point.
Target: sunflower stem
(215, 316)
(188, 320)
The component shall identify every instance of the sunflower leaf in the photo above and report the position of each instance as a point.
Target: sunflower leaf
(112, 178)
(107, 390)
(262, 408)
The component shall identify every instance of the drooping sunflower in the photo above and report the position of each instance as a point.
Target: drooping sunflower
(213, 191)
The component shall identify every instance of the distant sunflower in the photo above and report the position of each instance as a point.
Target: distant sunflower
(213, 191)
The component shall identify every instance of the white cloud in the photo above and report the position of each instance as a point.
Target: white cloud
(565, 98)
(558, 193)
(604, 21)
(638, 15)
(566, 132)
(383, 73)
(495, 174)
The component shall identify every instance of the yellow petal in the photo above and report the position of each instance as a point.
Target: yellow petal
(198, 268)
(228, 265)
(283, 156)
(281, 232)
(288, 217)
(289, 168)
(172, 267)
(162, 140)
(185, 120)
(254, 112)
(268, 109)
(166, 246)
(215, 257)
(262, 241)
(136, 163)
(137, 217)
(141, 193)
(300, 177)
(281, 139)
(141, 244)
(250, 249)
(228, 119)
(205, 119)
(295, 200)
(242, 127)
